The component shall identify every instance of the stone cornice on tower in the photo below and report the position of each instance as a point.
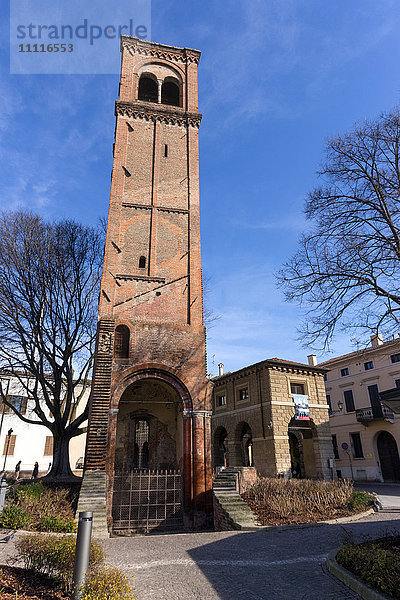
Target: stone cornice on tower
(135, 45)
(153, 112)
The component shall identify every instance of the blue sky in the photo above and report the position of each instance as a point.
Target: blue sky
(276, 78)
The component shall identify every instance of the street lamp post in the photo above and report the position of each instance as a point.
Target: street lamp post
(9, 433)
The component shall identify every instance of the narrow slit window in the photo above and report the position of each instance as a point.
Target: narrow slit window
(142, 262)
(121, 342)
(166, 150)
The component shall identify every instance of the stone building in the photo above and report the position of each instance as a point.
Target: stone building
(150, 416)
(358, 418)
(255, 422)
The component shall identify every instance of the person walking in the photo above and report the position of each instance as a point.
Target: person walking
(17, 470)
(35, 471)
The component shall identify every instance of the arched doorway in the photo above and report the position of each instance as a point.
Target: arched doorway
(221, 458)
(296, 456)
(301, 445)
(148, 460)
(246, 445)
(388, 456)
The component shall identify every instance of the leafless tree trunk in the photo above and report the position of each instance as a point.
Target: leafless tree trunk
(49, 288)
(346, 270)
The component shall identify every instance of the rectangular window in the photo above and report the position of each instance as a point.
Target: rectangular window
(395, 357)
(349, 401)
(368, 365)
(335, 447)
(221, 400)
(297, 388)
(329, 403)
(397, 383)
(243, 394)
(356, 445)
(48, 446)
(18, 402)
(344, 372)
(10, 442)
(166, 150)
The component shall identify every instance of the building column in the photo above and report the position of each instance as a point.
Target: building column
(202, 483)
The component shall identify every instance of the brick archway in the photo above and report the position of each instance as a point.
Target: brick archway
(190, 434)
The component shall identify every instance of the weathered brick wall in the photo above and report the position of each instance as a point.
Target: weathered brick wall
(154, 212)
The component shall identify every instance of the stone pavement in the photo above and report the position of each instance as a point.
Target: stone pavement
(263, 565)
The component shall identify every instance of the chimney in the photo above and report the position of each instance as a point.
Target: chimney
(220, 369)
(312, 360)
(376, 340)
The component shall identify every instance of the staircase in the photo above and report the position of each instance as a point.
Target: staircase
(237, 512)
(92, 497)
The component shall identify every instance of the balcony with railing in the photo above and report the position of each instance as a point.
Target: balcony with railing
(376, 413)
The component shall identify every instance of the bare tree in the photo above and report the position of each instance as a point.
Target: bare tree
(49, 288)
(346, 270)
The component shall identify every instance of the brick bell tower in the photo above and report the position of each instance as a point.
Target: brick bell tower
(151, 338)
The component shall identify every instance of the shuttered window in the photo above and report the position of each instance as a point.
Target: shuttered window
(349, 401)
(10, 441)
(48, 446)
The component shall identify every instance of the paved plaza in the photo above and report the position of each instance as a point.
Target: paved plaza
(284, 564)
(276, 564)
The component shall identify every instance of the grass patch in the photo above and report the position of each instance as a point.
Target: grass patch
(376, 562)
(287, 501)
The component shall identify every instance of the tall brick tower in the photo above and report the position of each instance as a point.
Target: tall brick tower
(150, 404)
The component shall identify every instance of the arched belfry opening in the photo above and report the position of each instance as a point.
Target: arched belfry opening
(170, 93)
(148, 88)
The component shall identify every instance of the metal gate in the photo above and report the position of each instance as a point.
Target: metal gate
(147, 500)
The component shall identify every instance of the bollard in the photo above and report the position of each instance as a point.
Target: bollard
(82, 553)
(3, 491)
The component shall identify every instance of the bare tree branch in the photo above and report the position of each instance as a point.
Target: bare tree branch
(49, 287)
(346, 270)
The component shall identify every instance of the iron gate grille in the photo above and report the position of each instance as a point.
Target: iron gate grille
(146, 500)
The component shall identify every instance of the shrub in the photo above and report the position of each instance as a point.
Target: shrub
(107, 584)
(13, 517)
(57, 524)
(42, 504)
(54, 556)
(294, 497)
(360, 500)
(377, 563)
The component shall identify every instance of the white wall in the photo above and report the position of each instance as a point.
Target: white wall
(30, 439)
